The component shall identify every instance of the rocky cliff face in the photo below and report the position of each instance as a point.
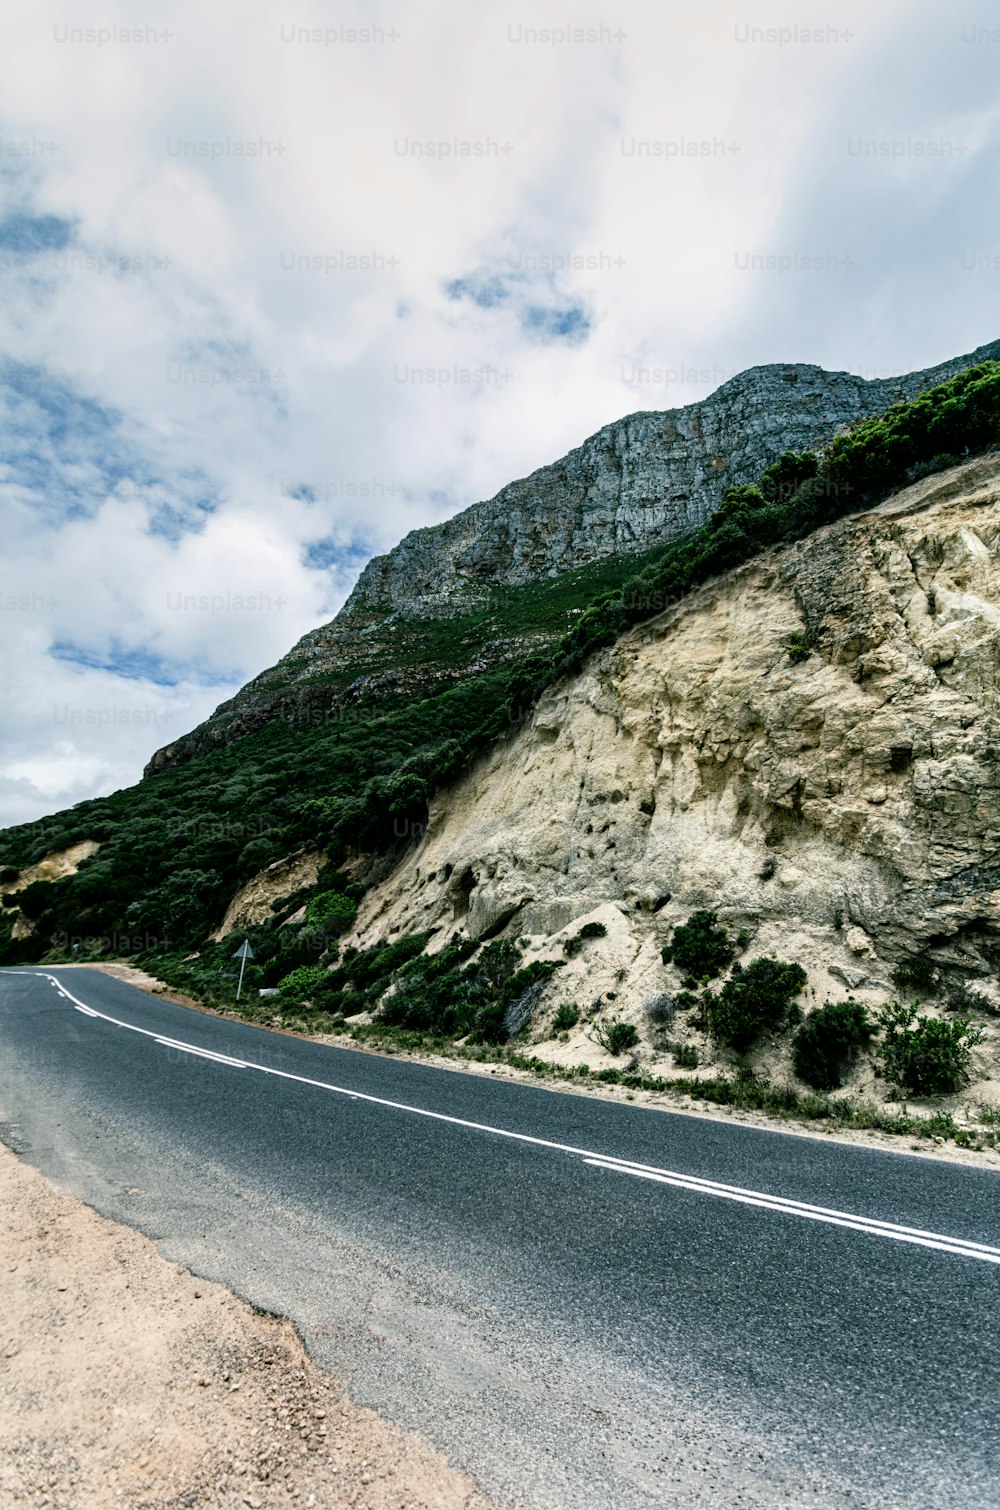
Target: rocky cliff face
(637, 483)
(645, 479)
(846, 809)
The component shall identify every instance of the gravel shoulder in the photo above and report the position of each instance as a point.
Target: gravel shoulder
(127, 1382)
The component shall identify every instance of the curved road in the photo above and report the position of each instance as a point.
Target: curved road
(583, 1303)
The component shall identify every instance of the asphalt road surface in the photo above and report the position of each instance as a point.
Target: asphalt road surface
(584, 1303)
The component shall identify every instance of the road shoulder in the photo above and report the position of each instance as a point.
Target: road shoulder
(125, 1380)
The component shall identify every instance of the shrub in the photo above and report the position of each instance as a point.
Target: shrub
(753, 1001)
(511, 986)
(567, 1016)
(661, 1010)
(259, 853)
(370, 970)
(302, 982)
(488, 999)
(282, 951)
(573, 945)
(925, 1055)
(698, 948)
(798, 646)
(519, 1010)
(685, 1056)
(178, 907)
(918, 973)
(435, 994)
(498, 967)
(617, 1036)
(828, 1042)
(963, 999)
(332, 909)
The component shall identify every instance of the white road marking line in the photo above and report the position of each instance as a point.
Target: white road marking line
(802, 1208)
(874, 1228)
(187, 1048)
(785, 1205)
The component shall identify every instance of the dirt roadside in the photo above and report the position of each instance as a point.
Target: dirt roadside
(127, 1384)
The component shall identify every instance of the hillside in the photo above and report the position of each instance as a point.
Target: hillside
(843, 809)
(785, 784)
(448, 601)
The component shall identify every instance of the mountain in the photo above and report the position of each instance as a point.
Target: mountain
(844, 804)
(635, 485)
(800, 762)
(785, 717)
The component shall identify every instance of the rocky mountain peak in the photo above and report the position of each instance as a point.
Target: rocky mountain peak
(637, 484)
(640, 481)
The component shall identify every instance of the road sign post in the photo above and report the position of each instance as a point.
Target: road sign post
(243, 953)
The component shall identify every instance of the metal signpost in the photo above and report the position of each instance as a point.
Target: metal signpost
(243, 953)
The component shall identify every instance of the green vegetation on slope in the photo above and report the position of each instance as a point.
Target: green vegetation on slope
(175, 848)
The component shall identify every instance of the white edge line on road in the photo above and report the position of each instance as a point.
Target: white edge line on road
(874, 1228)
(694, 1183)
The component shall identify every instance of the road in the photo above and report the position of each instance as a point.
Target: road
(584, 1303)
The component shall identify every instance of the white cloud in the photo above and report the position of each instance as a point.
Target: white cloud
(218, 376)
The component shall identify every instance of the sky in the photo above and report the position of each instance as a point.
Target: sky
(278, 285)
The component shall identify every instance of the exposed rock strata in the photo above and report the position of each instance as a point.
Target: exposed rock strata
(847, 808)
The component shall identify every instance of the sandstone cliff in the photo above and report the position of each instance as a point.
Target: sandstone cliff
(637, 483)
(845, 809)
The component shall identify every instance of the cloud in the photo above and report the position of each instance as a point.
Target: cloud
(274, 297)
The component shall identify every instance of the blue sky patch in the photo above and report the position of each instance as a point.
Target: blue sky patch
(321, 555)
(484, 292)
(570, 324)
(543, 314)
(29, 235)
(137, 664)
